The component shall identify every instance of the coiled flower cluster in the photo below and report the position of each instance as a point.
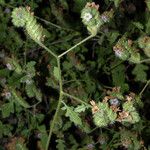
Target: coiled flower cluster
(92, 19)
(115, 107)
(22, 17)
(125, 51)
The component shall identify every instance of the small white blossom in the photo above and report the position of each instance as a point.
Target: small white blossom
(28, 81)
(87, 17)
(114, 101)
(9, 66)
(118, 53)
(90, 146)
(104, 18)
(7, 95)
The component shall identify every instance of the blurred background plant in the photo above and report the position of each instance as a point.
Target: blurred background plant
(117, 56)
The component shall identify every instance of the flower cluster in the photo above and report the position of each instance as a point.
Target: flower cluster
(115, 107)
(92, 19)
(125, 50)
(22, 17)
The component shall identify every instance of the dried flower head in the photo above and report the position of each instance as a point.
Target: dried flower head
(94, 107)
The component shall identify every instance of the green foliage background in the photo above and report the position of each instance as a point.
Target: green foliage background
(29, 77)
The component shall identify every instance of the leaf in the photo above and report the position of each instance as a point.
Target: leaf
(60, 144)
(118, 77)
(7, 108)
(79, 4)
(20, 146)
(43, 135)
(116, 2)
(56, 73)
(140, 72)
(32, 91)
(138, 25)
(74, 116)
(19, 99)
(80, 108)
(30, 68)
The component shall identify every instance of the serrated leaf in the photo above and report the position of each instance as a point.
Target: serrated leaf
(56, 73)
(32, 91)
(118, 77)
(80, 108)
(19, 99)
(20, 146)
(140, 72)
(30, 68)
(6, 109)
(116, 2)
(138, 25)
(60, 144)
(29, 90)
(74, 116)
(79, 4)
(43, 136)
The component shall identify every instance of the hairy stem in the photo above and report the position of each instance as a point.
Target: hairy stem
(47, 49)
(77, 99)
(147, 83)
(145, 60)
(61, 93)
(75, 46)
(58, 106)
(54, 120)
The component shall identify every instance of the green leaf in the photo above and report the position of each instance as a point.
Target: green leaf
(118, 77)
(30, 68)
(32, 91)
(56, 73)
(80, 108)
(116, 2)
(138, 25)
(43, 136)
(140, 72)
(60, 144)
(5, 129)
(7, 108)
(79, 4)
(20, 146)
(74, 116)
(19, 99)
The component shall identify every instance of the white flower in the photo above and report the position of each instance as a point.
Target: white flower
(87, 16)
(114, 101)
(118, 53)
(104, 18)
(7, 95)
(28, 81)
(9, 66)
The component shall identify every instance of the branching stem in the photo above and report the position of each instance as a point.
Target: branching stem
(77, 99)
(84, 40)
(61, 93)
(147, 83)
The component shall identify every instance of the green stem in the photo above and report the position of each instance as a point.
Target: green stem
(147, 83)
(54, 25)
(75, 46)
(61, 93)
(77, 99)
(50, 23)
(47, 49)
(58, 106)
(145, 60)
